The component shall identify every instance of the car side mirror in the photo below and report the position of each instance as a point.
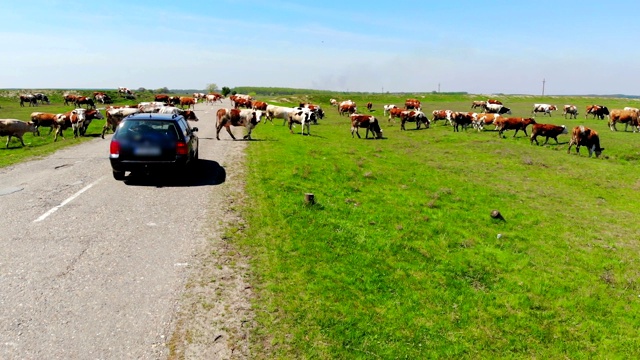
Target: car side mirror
(194, 129)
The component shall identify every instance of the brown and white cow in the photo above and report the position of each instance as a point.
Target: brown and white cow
(583, 136)
(15, 128)
(485, 120)
(347, 109)
(494, 101)
(414, 104)
(386, 109)
(368, 122)
(30, 99)
(333, 102)
(548, 131)
(442, 115)
(463, 119)
(115, 115)
(302, 116)
(626, 117)
(213, 97)
(478, 104)
(572, 110)
(545, 109)
(513, 123)
(414, 116)
(235, 117)
(598, 111)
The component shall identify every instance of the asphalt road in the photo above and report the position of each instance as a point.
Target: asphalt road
(94, 268)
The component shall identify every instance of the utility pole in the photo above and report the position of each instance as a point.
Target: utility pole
(543, 81)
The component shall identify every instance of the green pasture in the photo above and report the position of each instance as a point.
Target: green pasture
(400, 258)
(43, 145)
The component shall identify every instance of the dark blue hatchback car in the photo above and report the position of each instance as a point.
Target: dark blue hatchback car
(149, 142)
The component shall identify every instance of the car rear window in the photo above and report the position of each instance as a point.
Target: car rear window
(167, 128)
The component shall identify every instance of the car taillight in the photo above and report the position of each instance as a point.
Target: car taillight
(114, 149)
(182, 148)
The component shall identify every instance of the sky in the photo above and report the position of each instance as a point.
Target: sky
(479, 47)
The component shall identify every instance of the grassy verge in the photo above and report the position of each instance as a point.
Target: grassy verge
(400, 258)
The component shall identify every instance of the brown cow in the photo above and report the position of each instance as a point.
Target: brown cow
(513, 123)
(368, 122)
(627, 117)
(347, 109)
(395, 113)
(259, 105)
(548, 131)
(598, 111)
(40, 119)
(412, 104)
(15, 128)
(478, 104)
(235, 117)
(70, 99)
(189, 101)
(583, 136)
(84, 100)
(161, 98)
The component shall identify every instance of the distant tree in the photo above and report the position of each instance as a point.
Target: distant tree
(233, 92)
(225, 91)
(141, 90)
(163, 90)
(213, 87)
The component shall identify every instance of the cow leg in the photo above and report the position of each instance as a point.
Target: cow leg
(525, 132)
(534, 138)
(230, 133)
(8, 139)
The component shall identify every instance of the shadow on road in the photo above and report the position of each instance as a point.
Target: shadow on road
(205, 173)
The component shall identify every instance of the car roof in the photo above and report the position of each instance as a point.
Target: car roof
(153, 116)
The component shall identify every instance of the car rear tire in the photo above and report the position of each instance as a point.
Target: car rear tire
(118, 175)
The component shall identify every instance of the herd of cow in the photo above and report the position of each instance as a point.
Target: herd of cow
(493, 113)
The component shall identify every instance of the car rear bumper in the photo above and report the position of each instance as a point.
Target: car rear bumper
(129, 165)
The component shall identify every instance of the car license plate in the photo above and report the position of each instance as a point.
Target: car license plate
(147, 151)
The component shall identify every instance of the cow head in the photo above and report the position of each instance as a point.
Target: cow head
(564, 130)
(257, 116)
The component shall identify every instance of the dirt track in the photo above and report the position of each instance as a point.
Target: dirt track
(96, 268)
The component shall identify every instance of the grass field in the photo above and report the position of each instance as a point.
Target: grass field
(399, 257)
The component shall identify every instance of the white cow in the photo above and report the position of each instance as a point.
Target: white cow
(151, 106)
(278, 112)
